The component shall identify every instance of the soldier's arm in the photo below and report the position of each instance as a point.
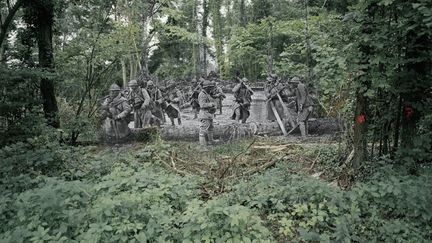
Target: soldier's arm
(159, 97)
(236, 88)
(105, 104)
(126, 110)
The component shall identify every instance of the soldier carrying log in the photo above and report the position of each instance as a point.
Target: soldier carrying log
(115, 110)
(139, 99)
(272, 88)
(243, 99)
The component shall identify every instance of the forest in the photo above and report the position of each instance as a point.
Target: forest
(366, 63)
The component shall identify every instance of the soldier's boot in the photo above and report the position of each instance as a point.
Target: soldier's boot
(179, 121)
(303, 129)
(211, 140)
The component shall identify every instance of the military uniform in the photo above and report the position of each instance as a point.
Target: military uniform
(272, 88)
(139, 99)
(194, 99)
(304, 106)
(206, 115)
(243, 99)
(173, 107)
(220, 98)
(116, 109)
(156, 104)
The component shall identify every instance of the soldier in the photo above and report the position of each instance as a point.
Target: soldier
(115, 110)
(206, 115)
(173, 98)
(243, 99)
(304, 105)
(139, 99)
(194, 98)
(272, 89)
(219, 96)
(156, 104)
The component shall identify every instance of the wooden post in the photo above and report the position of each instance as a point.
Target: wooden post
(276, 114)
(286, 111)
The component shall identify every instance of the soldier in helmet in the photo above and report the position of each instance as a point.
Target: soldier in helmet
(156, 104)
(272, 89)
(243, 99)
(304, 105)
(115, 110)
(206, 115)
(173, 99)
(139, 99)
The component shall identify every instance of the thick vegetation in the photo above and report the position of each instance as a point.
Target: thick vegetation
(126, 194)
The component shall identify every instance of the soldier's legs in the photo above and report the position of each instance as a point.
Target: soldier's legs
(303, 131)
(172, 121)
(179, 121)
(237, 112)
(137, 119)
(146, 118)
(220, 107)
(302, 118)
(204, 128)
(245, 113)
(210, 133)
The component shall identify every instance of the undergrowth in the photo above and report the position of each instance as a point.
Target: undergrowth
(174, 193)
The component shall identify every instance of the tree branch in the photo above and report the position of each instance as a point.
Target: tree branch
(8, 20)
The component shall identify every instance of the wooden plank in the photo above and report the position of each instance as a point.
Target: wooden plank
(286, 111)
(279, 121)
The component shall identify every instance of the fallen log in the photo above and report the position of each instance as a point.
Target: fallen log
(233, 131)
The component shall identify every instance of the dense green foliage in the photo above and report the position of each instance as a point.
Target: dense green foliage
(123, 195)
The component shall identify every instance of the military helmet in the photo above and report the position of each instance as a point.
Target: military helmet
(114, 87)
(295, 80)
(244, 80)
(150, 83)
(171, 84)
(207, 83)
(133, 83)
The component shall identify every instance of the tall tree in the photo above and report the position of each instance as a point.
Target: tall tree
(40, 14)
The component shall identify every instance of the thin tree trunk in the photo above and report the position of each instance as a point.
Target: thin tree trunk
(204, 38)
(124, 75)
(217, 30)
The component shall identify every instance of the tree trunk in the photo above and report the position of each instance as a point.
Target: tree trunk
(204, 38)
(360, 115)
(217, 30)
(44, 26)
(124, 75)
(360, 131)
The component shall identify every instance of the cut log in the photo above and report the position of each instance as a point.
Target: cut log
(190, 133)
(279, 121)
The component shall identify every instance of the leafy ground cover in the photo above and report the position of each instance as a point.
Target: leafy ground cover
(264, 190)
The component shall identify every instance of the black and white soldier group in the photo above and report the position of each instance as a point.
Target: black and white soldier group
(288, 101)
